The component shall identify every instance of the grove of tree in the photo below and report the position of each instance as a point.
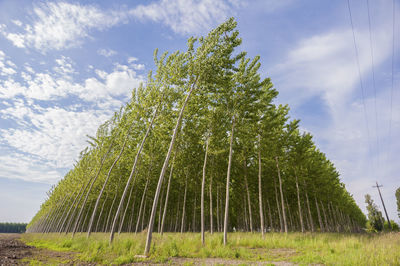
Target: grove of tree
(201, 146)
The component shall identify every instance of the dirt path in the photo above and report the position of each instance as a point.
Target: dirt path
(14, 252)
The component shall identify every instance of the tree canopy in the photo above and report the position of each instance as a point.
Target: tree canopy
(207, 122)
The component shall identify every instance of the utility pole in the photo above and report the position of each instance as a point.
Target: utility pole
(387, 217)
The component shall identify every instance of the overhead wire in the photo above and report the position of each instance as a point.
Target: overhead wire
(392, 87)
(374, 85)
(359, 75)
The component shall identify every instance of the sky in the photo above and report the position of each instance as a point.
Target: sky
(67, 66)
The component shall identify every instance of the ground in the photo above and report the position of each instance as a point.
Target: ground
(186, 249)
(14, 252)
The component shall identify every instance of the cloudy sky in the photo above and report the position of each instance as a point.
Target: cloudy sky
(65, 67)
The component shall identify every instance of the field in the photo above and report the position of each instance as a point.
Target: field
(243, 248)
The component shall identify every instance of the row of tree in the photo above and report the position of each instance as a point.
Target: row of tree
(12, 227)
(376, 222)
(201, 146)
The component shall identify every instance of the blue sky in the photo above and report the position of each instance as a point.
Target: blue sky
(65, 67)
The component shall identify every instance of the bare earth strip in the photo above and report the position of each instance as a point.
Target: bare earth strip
(14, 252)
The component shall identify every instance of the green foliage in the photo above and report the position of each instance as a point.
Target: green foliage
(226, 86)
(375, 217)
(12, 227)
(395, 226)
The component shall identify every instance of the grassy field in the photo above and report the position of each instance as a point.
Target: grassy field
(303, 249)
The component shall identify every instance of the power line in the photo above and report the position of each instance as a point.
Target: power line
(374, 84)
(359, 74)
(391, 90)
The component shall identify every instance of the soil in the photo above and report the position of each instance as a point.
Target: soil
(14, 252)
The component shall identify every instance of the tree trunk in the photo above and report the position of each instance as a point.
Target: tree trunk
(228, 176)
(132, 172)
(278, 208)
(281, 191)
(248, 196)
(211, 207)
(126, 208)
(110, 213)
(309, 210)
(202, 193)
(325, 219)
(163, 170)
(142, 201)
(167, 196)
(299, 203)
(260, 189)
(194, 213)
(184, 204)
(321, 226)
(218, 226)
(91, 186)
(269, 214)
(101, 213)
(106, 181)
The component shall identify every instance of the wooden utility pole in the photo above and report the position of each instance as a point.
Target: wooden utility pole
(387, 217)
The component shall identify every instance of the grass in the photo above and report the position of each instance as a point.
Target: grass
(304, 249)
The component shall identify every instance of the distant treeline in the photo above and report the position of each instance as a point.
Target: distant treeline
(12, 227)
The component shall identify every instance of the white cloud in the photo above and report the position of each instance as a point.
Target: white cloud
(54, 134)
(17, 22)
(106, 52)
(7, 67)
(60, 25)
(186, 16)
(132, 59)
(29, 168)
(324, 67)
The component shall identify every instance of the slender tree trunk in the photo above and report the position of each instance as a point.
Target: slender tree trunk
(132, 214)
(269, 214)
(194, 213)
(142, 202)
(167, 196)
(91, 186)
(325, 219)
(245, 213)
(126, 208)
(110, 213)
(248, 196)
(202, 193)
(281, 191)
(278, 208)
(106, 181)
(144, 213)
(218, 225)
(160, 210)
(228, 176)
(184, 204)
(211, 207)
(163, 170)
(309, 210)
(321, 226)
(177, 216)
(260, 188)
(133, 171)
(299, 203)
(101, 213)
